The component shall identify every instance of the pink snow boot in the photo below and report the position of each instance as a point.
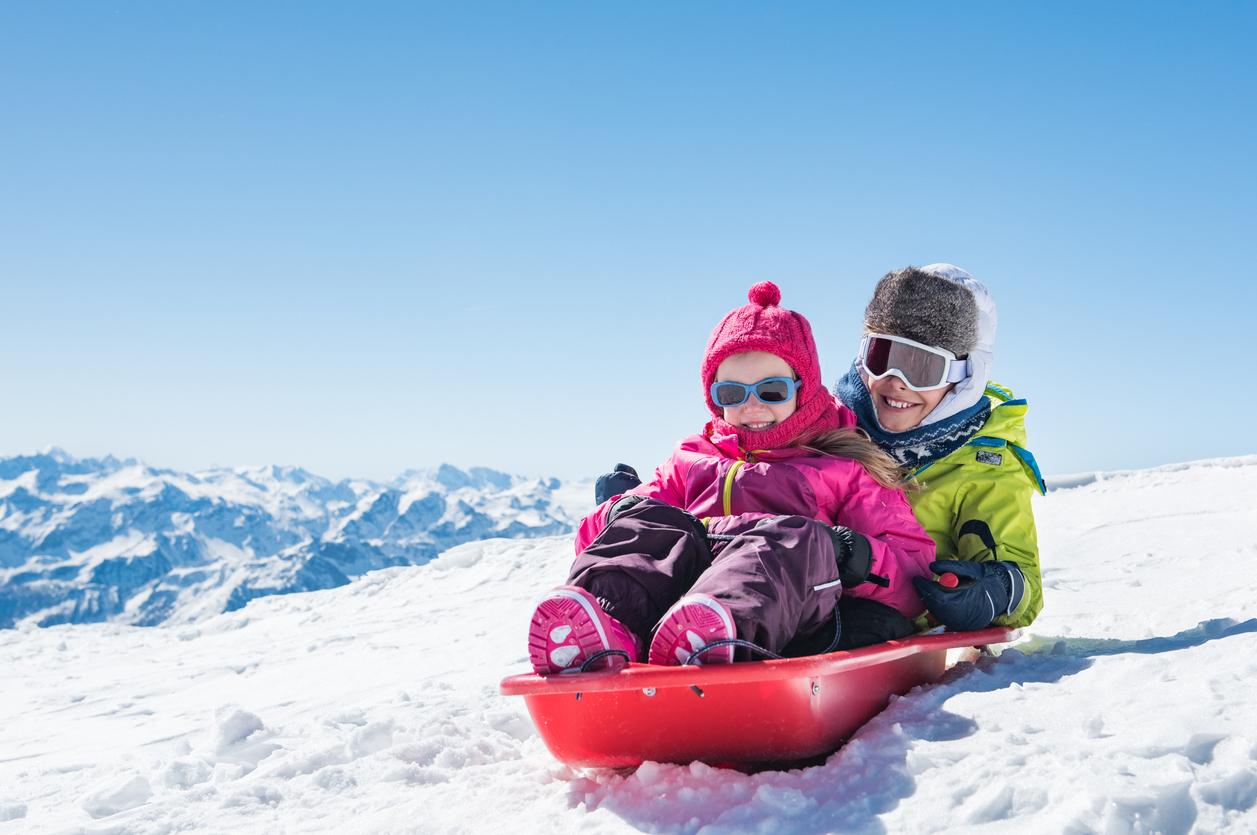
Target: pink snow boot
(692, 623)
(569, 628)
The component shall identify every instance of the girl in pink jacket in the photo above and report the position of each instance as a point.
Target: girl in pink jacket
(745, 539)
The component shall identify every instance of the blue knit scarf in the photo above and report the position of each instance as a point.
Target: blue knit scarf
(917, 447)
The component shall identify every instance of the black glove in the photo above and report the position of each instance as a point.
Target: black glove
(855, 557)
(625, 503)
(984, 591)
(619, 480)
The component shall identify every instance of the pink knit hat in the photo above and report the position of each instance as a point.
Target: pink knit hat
(763, 326)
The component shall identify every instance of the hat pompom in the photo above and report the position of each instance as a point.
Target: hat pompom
(765, 294)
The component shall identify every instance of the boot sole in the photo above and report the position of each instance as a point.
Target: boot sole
(704, 616)
(579, 613)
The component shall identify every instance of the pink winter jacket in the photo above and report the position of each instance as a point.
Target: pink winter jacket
(709, 475)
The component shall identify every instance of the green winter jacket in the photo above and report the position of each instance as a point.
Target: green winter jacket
(975, 502)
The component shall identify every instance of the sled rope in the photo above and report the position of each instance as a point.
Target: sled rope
(725, 642)
(833, 645)
(601, 654)
(756, 648)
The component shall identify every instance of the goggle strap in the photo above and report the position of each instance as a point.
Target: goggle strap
(959, 371)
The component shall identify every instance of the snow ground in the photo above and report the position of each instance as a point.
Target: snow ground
(373, 707)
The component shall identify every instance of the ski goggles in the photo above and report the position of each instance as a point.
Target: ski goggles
(921, 367)
(770, 390)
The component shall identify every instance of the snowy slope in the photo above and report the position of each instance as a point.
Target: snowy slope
(374, 706)
(86, 540)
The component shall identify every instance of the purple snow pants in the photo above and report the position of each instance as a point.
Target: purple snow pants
(765, 570)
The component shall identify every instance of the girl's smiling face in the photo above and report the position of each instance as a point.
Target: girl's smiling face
(899, 408)
(750, 367)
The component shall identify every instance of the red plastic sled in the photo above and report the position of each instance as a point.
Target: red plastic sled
(735, 714)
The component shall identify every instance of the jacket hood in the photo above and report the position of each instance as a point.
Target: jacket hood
(981, 359)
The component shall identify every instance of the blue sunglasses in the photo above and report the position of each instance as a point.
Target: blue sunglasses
(770, 390)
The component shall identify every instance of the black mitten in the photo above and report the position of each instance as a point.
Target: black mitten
(855, 557)
(976, 594)
(621, 479)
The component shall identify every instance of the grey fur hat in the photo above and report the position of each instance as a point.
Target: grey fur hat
(924, 307)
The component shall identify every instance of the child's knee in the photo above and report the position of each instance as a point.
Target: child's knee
(634, 509)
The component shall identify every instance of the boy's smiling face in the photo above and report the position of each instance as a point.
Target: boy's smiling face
(899, 408)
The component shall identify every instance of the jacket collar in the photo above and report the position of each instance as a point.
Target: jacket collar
(718, 434)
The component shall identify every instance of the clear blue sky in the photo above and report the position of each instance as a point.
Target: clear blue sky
(361, 237)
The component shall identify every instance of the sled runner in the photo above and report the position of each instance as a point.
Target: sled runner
(732, 714)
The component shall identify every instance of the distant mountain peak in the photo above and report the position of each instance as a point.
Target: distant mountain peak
(57, 454)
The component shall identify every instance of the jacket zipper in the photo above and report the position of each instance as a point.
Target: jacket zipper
(726, 494)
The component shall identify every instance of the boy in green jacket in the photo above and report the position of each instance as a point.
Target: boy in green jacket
(920, 388)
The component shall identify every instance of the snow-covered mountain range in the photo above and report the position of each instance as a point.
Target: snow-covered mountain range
(84, 540)
(374, 707)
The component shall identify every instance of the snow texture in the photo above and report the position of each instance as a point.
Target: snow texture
(373, 707)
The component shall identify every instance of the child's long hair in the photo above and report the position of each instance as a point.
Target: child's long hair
(854, 444)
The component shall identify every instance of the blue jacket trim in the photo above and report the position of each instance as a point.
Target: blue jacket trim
(1020, 401)
(983, 440)
(1001, 393)
(1027, 458)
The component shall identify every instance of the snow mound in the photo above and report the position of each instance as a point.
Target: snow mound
(117, 794)
(374, 706)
